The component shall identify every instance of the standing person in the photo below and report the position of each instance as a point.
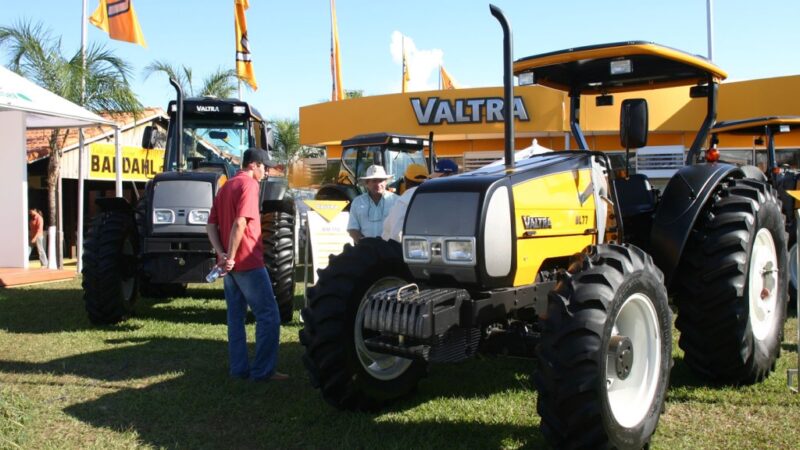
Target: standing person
(234, 229)
(369, 210)
(36, 235)
(446, 167)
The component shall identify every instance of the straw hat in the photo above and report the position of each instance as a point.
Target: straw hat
(416, 173)
(375, 172)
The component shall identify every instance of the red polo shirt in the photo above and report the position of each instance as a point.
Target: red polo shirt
(239, 198)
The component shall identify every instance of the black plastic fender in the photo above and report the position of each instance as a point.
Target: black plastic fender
(754, 172)
(683, 198)
(273, 189)
(113, 204)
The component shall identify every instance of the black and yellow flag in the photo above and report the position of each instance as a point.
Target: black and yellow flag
(244, 64)
(447, 82)
(118, 19)
(406, 76)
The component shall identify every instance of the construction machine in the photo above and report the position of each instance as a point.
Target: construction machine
(557, 258)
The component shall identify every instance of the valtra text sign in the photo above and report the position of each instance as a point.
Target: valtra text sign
(436, 111)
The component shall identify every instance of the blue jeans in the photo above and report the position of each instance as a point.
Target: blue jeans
(252, 288)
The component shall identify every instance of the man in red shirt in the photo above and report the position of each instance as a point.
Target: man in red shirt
(234, 229)
(36, 236)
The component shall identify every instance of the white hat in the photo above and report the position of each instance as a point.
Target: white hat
(375, 172)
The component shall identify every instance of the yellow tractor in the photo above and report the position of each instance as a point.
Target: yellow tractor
(556, 258)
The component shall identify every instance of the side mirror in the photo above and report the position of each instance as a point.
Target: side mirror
(633, 123)
(149, 137)
(269, 139)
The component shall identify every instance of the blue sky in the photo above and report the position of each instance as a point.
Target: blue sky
(290, 40)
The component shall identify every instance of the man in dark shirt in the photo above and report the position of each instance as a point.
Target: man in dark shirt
(234, 229)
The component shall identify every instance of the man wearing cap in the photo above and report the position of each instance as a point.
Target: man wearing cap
(369, 210)
(234, 229)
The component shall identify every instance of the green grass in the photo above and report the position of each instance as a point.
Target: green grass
(160, 381)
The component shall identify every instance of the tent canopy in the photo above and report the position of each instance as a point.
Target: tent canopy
(44, 109)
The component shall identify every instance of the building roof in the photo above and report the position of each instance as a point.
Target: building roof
(38, 140)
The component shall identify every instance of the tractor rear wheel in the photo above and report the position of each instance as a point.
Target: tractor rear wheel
(733, 285)
(605, 351)
(350, 376)
(109, 267)
(277, 236)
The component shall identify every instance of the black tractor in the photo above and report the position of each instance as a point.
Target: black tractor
(156, 247)
(556, 258)
(782, 176)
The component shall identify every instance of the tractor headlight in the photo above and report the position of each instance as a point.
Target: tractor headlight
(416, 249)
(459, 251)
(198, 216)
(163, 216)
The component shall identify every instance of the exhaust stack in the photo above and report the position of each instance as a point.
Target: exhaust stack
(508, 85)
(178, 123)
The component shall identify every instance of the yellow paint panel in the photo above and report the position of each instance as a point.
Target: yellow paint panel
(531, 253)
(556, 197)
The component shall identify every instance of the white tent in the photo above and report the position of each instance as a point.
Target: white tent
(24, 105)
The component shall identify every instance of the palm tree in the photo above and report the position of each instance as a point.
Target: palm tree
(220, 83)
(36, 54)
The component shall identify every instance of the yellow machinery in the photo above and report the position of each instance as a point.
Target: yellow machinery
(555, 258)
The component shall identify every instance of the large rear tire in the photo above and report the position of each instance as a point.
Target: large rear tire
(349, 376)
(109, 267)
(733, 285)
(277, 235)
(605, 352)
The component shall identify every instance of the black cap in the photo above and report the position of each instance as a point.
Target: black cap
(257, 155)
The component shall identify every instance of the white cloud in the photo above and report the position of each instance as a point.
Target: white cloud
(423, 65)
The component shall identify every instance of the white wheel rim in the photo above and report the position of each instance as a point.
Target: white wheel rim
(763, 285)
(378, 365)
(631, 398)
(793, 266)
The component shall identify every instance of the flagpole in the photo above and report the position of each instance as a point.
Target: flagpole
(81, 149)
(710, 24)
(403, 65)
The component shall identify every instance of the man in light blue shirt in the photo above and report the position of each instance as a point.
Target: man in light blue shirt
(368, 211)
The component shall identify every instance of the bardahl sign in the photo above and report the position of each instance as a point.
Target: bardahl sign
(436, 111)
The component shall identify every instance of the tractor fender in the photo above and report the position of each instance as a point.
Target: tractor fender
(273, 189)
(337, 192)
(754, 172)
(113, 204)
(683, 199)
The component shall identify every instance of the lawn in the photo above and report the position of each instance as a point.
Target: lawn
(160, 381)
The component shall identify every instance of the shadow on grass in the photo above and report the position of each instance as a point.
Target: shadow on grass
(199, 406)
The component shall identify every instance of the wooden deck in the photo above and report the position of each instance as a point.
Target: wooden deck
(10, 277)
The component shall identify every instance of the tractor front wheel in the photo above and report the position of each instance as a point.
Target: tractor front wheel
(277, 235)
(349, 375)
(605, 351)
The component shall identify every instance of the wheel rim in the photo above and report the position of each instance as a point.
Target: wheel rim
(631, 396)
(378, 365)
(128, 284)
(793, 266)
(763, 285)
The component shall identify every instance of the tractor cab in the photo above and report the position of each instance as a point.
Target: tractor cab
(622, 68)
(215, 134)
(764, 130)
(392, 151)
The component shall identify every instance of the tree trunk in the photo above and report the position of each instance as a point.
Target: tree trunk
(53, 168)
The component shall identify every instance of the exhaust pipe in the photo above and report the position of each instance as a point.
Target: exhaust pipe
(508, 85)
(431, 154)
(178, 123)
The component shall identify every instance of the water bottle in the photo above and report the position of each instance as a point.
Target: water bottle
(214, 274)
